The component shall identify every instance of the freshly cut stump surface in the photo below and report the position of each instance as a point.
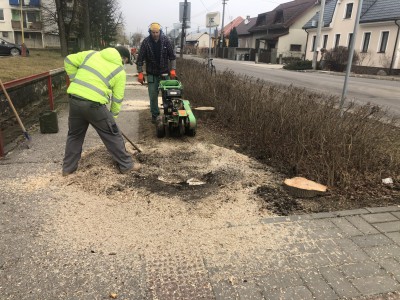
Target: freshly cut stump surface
(304, 188)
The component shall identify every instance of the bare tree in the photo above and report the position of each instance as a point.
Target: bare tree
(60, 16)
(385, 60)
(95, 23)
(364, 58)
(136, 38)
(49, 16)
(86, 25)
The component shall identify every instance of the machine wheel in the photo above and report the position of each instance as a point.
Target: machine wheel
(181, 127)
(160, 128)
(190, 132)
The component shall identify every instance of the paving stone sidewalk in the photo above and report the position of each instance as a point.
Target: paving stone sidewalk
(346, 254)
(352, 254)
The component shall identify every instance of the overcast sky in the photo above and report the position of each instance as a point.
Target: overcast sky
(138, 15)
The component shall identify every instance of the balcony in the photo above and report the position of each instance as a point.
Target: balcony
(25, 3)
(30, 26)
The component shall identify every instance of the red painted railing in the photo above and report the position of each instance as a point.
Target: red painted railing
(26, 80)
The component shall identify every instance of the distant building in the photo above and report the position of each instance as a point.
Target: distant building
(197, 42)
(378, 35)
(227, 29)
(35, 35)
(244, 35)
(200, 40)
(278, 34)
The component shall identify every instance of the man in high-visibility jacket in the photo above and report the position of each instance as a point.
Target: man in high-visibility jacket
(96, 78)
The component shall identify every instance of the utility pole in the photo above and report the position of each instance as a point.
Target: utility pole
(222, 27)
(183, 26)
(23, 47)
(166, 30)
(318, 37)
(351, 52)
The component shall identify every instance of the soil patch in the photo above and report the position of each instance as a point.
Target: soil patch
(280, 202)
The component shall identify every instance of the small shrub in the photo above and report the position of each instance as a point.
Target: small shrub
(290, 59)
(336, 59)
(299, 65)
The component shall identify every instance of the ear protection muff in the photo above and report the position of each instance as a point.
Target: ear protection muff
(155, 24)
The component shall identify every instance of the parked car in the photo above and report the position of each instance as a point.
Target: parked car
(177, 50)
(7, 48)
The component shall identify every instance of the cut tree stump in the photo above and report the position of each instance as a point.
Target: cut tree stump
(303, 188)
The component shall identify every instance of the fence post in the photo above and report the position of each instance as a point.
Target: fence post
(67, 80)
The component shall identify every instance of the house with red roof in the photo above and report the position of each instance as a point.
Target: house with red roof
(228, 28)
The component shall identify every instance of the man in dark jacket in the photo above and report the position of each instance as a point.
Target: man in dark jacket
(157, 51)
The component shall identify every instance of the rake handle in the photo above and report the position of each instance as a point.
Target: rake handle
(13, 108)
(134, 146)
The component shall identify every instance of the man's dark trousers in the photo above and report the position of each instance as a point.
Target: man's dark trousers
(82, 113)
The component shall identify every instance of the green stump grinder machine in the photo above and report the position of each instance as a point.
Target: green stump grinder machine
(177, 116)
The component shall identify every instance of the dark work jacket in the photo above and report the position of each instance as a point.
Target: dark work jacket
(146, 54)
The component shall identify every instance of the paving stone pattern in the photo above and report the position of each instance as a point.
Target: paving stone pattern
(348, 254)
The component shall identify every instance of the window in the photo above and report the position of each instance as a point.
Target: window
(34, 3)
(349, 10)
(384, 40)
(325, 41)
(367, 36)
(313, 43)
(294, 47)
(278, 17)
(32, 16)
(337, 40)
(349, 41)
(1, 15)
(15, 15)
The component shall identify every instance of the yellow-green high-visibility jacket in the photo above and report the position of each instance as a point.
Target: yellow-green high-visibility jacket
(98, 76)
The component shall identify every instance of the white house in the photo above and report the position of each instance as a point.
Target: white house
(198, 39)
(378, 34)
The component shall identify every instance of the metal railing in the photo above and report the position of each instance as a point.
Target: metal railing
(29, 80)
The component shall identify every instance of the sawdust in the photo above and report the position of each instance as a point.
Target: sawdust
(29, 184)
(100, 210)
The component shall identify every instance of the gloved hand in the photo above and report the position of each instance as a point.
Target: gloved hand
(140, 78)
(172, 74)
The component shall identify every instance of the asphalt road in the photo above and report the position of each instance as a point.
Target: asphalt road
(385, 93)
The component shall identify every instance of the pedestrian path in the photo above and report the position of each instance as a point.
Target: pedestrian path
(339, 255)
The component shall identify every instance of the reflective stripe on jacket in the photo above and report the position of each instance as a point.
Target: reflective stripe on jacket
(97, 76)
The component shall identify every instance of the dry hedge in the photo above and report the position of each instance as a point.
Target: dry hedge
(301, 130)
